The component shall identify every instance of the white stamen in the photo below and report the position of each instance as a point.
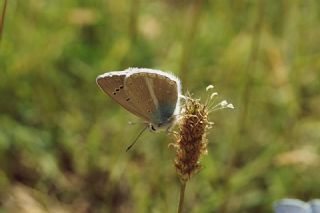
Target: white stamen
(209, 87)
(213, 94)
(230, 106)
(183, 97)
(223, 103)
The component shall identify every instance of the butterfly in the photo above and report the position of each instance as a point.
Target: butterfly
(152, 95)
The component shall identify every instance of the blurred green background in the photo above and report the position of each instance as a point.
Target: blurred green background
(62, 141)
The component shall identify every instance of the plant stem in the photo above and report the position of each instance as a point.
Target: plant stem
(182, 190)
(133, 24)
(191, 32)
(246, 96)
(2, 17)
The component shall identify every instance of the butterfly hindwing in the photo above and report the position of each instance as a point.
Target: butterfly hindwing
(158, 94)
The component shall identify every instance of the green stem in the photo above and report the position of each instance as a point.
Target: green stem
(133, 24)
(191, 32)
(246, 95)
(2, 17)
(182, 190)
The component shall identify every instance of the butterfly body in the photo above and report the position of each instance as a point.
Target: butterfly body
(152, 95)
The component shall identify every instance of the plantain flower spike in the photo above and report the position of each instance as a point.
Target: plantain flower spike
(191, 142)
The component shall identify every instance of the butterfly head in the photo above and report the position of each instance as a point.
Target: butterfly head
(165, 126)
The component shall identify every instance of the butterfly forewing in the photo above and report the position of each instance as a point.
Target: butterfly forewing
(167, 92)
(158, 94)
(112, 83)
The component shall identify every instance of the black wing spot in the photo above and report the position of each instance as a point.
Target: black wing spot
(121, 87)
(117, 90)
(128, 99)
(114, 93)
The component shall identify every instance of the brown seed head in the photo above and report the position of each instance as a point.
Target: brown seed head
(191, 141)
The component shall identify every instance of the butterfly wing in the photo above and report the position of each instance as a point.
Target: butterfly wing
(154, 93)
(112, 83)
(292, 206)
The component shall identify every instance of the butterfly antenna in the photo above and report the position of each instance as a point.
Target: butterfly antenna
(136, 139)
